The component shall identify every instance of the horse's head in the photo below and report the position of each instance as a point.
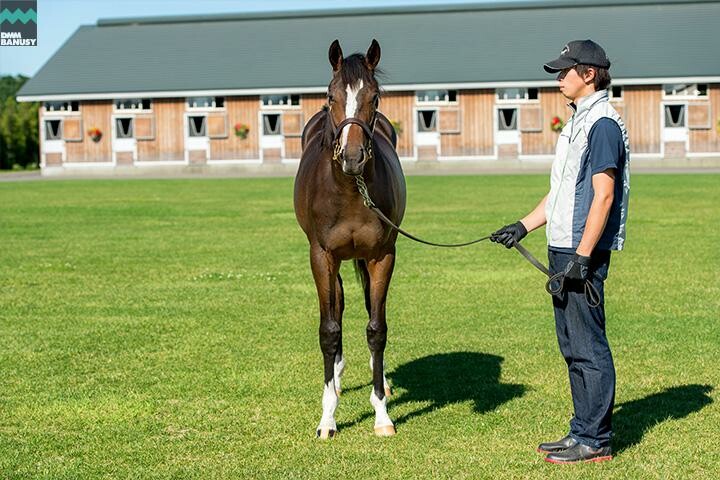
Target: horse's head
(353, 97)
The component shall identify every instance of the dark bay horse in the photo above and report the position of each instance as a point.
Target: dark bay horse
(350, 138)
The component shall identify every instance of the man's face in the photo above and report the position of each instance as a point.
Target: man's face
(574, 86)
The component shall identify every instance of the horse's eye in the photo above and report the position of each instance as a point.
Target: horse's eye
(330, 98)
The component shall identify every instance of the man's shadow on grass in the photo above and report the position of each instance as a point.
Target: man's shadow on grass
(446, 378)
(633, 419)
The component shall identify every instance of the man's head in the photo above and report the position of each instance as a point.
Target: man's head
(582, 69)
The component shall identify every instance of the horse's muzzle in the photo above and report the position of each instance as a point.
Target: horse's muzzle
(354, 164)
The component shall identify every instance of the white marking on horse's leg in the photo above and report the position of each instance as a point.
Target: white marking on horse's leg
(327, 427)
(350, 107)
(339, 370)
(386, 385)
(383, 425)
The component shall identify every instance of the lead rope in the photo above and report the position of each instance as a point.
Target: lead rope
(362, 188)
(592, 297)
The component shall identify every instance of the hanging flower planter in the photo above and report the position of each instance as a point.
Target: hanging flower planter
(556, 124)
(95, 134)
(242, 130)
(397, 125)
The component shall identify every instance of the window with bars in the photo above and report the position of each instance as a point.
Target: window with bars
(436, 96)
(281, 100)
(197, 126)
(133, 104)
(517, 94)
(53, 129)
(206, 102)
(124, 128)
(675, 116)
(427, 120)
(62, 106)
(507, 119)
(685, 90)
(272, 124)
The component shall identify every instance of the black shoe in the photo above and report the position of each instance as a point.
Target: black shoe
(558, 446)
(580, 453)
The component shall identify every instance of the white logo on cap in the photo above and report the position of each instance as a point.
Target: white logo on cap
(565, 50)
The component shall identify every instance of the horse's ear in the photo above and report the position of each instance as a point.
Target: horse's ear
(335, 55)
(372, 57)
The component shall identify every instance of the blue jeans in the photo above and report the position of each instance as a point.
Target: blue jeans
(581, 335)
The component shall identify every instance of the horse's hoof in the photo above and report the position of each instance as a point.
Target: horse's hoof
(326, 433)
(386, 431)
(388, 392)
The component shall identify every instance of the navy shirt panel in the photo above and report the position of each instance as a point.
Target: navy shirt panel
(605, 150)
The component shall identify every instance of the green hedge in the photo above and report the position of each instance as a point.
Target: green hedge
(18, 126)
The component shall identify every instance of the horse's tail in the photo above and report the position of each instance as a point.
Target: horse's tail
(363, 276)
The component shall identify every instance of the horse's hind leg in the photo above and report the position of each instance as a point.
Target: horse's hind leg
(339, 367)
(380, 274)
(325, 269)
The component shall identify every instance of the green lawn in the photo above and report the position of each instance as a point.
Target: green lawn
(168, 329)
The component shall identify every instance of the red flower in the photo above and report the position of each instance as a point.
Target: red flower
(555, 120)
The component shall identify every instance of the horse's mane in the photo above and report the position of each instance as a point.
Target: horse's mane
(328, 135)
(354, 68)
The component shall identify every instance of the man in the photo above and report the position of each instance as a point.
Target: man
(585, 213)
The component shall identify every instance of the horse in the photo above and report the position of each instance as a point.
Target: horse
(349, 140)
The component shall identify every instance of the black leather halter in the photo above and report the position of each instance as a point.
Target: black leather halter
(369, 131)
(353, 120)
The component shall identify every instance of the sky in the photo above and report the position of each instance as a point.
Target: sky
(58, 19)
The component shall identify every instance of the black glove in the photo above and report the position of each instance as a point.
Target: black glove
(515, 231)
(577, 268)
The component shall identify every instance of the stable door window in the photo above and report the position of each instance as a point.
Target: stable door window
(675, 116)
(53, 130)
(272, 124)
(507, 119)
(427, 120)
(124, 128)
(197, 126)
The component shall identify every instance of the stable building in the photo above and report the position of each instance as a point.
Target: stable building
(461, 82)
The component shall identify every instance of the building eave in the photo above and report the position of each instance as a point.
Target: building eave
(322, 89)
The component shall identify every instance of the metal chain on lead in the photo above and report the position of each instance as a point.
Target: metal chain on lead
(362, 188)
(337, 151)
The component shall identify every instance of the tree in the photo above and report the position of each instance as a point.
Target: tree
(19, 143)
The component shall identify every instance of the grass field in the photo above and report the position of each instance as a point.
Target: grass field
(168, 329)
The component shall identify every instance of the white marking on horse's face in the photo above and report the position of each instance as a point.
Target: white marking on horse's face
(350, 107)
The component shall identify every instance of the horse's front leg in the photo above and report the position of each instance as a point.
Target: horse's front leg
(380, 271)
(339, 357)
(325, 269)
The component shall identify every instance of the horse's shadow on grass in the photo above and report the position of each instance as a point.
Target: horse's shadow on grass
(447, 378)
(633, 419)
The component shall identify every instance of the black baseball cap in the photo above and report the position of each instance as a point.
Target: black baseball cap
(578, 52)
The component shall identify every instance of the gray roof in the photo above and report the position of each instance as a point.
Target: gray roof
(422, 45)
